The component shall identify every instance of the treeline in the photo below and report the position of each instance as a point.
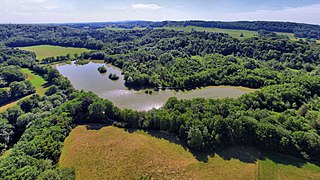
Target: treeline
(29, 35)
(16, 90)
(283, 118)
(300, 30)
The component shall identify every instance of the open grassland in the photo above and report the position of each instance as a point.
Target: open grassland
(232, 32)
(290, 35)
(113, 153)
(122, 29)
(44, 51)
(5, 154)
(276, 166)
(36, 80)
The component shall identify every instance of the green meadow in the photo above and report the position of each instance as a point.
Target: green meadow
(121, 29)
(37, 81)
(232, 32)
(44, 51)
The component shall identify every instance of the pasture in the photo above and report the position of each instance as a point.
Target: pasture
(112, 153)
(37, 81)
(44, 51)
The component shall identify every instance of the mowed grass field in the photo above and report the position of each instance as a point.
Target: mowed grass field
(232, 32)
(44, 51)
(113, 153)
(37, 81)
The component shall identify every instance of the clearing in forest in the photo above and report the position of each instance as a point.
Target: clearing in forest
(45, 51)
(110, 152)
(36, 80)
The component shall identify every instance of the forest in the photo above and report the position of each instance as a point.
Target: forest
(283, 115)
(300, 30)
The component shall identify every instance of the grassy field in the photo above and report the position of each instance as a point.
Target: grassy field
(232, 32)
(37, 81)
(113, 153)
(121, 29)
(290, 35)
(5, 154)
(44, 51)
(276, 166)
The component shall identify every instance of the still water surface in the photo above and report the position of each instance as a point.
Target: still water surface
(86, 77)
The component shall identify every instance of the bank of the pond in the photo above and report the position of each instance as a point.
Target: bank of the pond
(87, 77)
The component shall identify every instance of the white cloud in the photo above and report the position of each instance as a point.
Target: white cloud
(146, 6)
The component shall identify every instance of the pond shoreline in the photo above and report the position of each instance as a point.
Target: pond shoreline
(87, 77)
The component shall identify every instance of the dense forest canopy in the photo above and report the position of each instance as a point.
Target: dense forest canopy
(282, 116)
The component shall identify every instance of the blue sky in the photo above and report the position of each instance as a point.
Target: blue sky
(57, 11)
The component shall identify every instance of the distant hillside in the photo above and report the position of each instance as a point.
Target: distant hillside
(300, 30)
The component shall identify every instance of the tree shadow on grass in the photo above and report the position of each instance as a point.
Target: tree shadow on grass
(46, 85)
(282, 159)
(199, 155)
(96, 126)
(246, 154)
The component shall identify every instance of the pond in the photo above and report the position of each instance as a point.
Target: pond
(87, 78)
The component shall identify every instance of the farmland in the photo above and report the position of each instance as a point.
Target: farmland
(45, 51)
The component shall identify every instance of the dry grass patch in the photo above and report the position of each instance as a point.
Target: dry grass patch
(113, 153)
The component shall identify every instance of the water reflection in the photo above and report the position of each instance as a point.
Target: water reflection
(87, 77)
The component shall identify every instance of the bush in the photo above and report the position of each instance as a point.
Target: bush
(102, 69)
(113, 77)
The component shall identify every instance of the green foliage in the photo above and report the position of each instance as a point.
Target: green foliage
(195, 138)
(102, 69)
(113, 77)
(282, 116)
